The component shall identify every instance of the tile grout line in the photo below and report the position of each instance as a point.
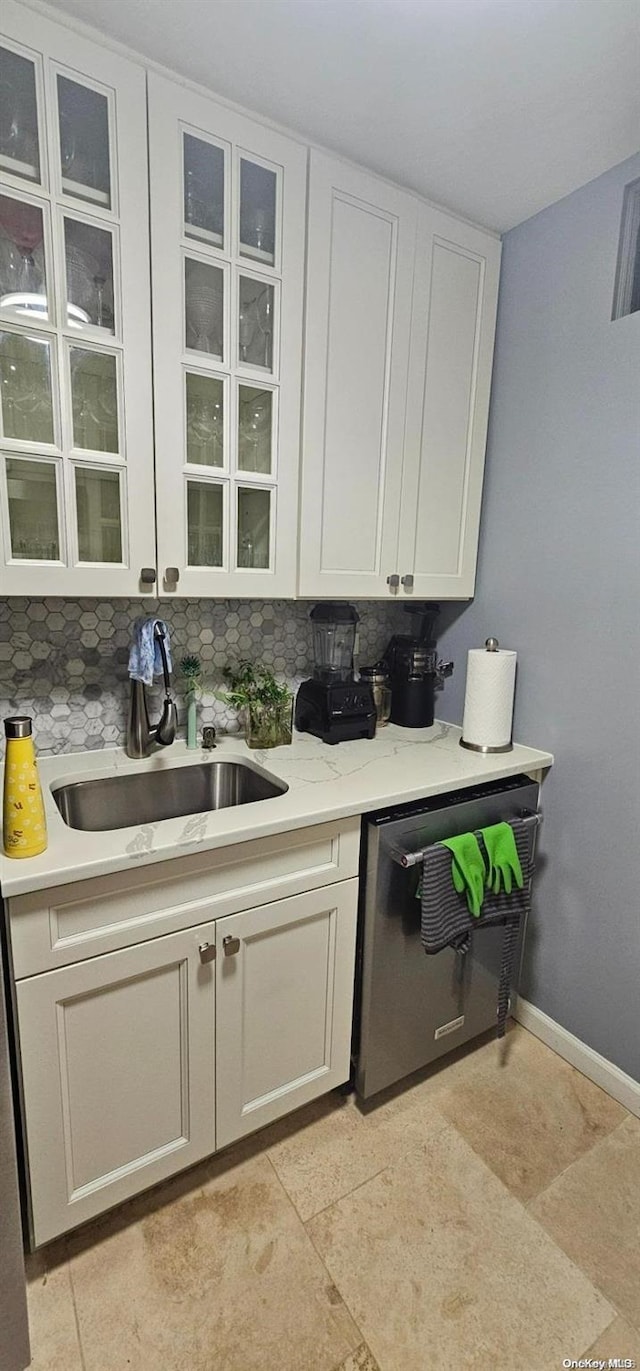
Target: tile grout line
(75, 1311)
(322, 1262)
(399, 1156)
(594, 1146)
(585, 1274)
(532, 1198)
(373, 1177)
(587, 1350)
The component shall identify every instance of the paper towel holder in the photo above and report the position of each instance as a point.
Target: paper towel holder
(492, 645)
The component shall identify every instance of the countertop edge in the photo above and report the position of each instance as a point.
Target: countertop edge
(314, 809)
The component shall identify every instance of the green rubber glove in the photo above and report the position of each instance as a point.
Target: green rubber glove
(504, 862)
(468, 870)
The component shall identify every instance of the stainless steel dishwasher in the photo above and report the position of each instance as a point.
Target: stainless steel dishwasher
(412, 1008)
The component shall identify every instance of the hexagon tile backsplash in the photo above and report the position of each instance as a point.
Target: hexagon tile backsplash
(65, 661)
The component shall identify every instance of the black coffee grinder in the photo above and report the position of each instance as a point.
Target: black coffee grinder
(331, 704)
(411, 661)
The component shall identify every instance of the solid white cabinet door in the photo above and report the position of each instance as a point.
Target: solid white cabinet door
(284, 1006)
(118, 1075)
(227, 235)
(361, 244)
(454, 318)
(76, 440)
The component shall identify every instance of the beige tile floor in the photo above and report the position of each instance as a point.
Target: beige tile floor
(486, 1216)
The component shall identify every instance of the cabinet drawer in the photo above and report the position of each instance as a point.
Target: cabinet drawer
(69, 923)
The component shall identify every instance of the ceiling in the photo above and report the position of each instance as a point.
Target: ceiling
(494, 108)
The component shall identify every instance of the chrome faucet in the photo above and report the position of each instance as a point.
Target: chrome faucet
(142, 736)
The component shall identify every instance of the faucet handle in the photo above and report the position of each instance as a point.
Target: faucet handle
(208, 737)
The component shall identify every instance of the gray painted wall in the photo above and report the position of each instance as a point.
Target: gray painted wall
(559, 580)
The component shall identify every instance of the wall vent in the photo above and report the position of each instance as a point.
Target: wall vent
(626, 295)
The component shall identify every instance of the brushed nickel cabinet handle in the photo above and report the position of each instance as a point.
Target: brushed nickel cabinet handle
(148, 575)
(393, 581)
(172, 575)
(231, 946)
(407, 582)
(207, 952)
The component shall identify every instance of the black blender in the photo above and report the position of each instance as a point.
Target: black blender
(411, 662)
(331, 704)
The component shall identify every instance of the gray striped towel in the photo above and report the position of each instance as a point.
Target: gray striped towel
(446, 921)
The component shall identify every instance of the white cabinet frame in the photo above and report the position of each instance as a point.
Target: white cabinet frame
(56, 48)
(78, 1028)
(360, 255)
(454, 319)
(173, 110)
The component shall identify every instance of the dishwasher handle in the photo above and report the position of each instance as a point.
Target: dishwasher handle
(528, 818)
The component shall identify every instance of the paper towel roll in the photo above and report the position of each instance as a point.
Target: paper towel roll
(488, 701)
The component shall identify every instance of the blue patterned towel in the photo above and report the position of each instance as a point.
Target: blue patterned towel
(145, 661)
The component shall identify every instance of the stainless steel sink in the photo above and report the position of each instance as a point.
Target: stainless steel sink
(146, 797)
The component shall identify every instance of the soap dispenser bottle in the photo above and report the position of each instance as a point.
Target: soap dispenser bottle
(24, 825)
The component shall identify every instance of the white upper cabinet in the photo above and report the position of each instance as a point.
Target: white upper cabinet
(227, 236)
(397, 349)
(454, 318)
(76, 445)
(401, 304)
(361, 246)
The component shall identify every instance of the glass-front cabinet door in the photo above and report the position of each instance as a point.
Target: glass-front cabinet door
(76, 442)
(227, 249)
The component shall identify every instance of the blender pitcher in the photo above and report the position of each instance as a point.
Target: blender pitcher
(334, 635)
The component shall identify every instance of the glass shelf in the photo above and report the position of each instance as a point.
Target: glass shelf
(254, 527)
(19, 145)
(83, 123)
(89, 268)
(204, 524)
(33, 510)
(256, 303)
(23, 274)
(205, 419)
(98, 515)
(25, 388)
(204, 307)
(94, 397)
(255, 423)
(258, 186)
(203, 173)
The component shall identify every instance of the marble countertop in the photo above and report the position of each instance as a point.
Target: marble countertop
(324, 783)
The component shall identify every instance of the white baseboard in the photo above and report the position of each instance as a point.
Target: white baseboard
(616, 1083)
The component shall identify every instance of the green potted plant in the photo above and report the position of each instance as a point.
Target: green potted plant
(267, 705)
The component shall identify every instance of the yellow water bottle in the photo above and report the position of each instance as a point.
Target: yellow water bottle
(24, 826)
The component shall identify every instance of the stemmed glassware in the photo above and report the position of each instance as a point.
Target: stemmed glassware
(21, 257)
(254, 430)
(255, 328)
(205, 431)
(264, 312)
(246, 330)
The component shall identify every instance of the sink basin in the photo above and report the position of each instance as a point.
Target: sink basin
(145, 797)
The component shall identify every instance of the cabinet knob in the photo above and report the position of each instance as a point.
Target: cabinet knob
(207, 952)
(407, 582)
(393, 581)
(148, 575)
(171, 577)
(231, 946)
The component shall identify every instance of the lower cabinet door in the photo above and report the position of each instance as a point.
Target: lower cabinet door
(283, 1006)
(118, 1075)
